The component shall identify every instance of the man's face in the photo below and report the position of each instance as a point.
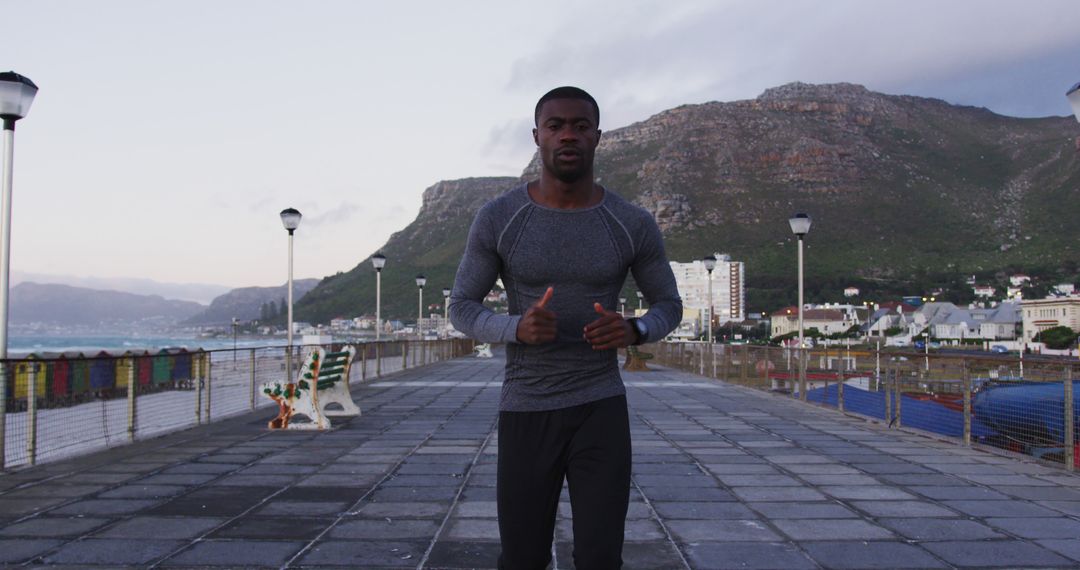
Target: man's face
(567, 135)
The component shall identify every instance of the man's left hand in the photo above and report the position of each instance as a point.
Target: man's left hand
(609, 331)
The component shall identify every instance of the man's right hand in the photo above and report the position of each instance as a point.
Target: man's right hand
(537, 325)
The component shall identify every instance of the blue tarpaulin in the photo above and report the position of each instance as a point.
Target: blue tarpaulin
(926, 415)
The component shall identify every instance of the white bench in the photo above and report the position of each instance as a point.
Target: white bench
(323, 380)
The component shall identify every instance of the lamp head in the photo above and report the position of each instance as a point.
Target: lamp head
(800, 224)
(421, 281)
(379, 261)
(710, 263)
(290, 218)
(16, 95)
(446, 292)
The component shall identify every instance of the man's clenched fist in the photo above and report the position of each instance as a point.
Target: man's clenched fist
(537, 325)
(609, 331)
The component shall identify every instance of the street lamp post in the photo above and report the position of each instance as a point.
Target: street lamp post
(290, 218)
(446, 310)
(378, 261)
(622, 306)
(16, 95)
(420, 282)
(640, 296)
(710, 264)
(800, 226)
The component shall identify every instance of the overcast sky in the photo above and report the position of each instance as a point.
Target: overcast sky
(167, 135)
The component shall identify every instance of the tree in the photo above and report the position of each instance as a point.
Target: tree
(272, 310)
(1057, 338)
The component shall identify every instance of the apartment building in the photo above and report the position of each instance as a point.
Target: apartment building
(728, 287)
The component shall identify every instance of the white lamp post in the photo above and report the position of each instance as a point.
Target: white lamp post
(378, 261)
(16, 95)
(640, 296)
(800, 226)
(290, 218)
(710, 264)
(446, 309)
(622, 306)
(420, 282)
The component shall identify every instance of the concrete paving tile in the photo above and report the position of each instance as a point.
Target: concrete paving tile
(99, 507)
(364, 554)
(997, 554)
(831, 529)
(55, 491)
(236, 553)
(177, 528)
(213, 502)
(464, 554)
(687, 494)
(423, 481)
(15, 550)
(833, 480)
(1068, 547)
(1040, 493)
(741, 468)
(112, 551)
(338, 480)
(691, 531)
(867, 493)
(860, 554)
(965, 493)
(302, 508)
(385, 529)
(1068, 507)
(636, 555)
(902, 509)
(476, 509)
(695, 480)
(751, 494)
(188, 479)
(712, 510)
(139, 491)
(999, 508)
(280, 528)
(759, 481)
(734, 555)
(472, 529)
(50, 527)
(328, 494)
(16, 507)
(426, 510)
(1038, 528)
(821, 469)
(785, 510)
(930, 529)
(666, 468)
(413, 494)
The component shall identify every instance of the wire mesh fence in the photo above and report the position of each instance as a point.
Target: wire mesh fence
(62, 406)
(1020, 403)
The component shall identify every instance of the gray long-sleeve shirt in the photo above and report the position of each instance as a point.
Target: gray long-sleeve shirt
(584, 254)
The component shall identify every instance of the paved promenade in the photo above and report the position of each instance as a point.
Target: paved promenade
(724, 477)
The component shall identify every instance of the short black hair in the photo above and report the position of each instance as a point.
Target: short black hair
(566, 92)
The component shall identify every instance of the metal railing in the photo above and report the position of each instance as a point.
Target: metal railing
(54, 408)
(1026, 405)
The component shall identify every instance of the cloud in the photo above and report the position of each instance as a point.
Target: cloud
(638, 63)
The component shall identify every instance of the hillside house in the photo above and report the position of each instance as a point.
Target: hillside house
(1042, 314)
(826, 321)
(984, 290)
(1018, 280)
(851, 292)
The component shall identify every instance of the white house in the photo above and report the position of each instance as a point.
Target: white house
(984, 290)
(1042, 314)
(1018, 279)
(1065, 288)
(851, 292)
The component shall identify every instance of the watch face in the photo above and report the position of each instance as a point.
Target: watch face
(642, 330)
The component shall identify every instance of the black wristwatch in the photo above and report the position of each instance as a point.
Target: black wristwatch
(640, 328)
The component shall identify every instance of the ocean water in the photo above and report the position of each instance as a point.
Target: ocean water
(26, 344)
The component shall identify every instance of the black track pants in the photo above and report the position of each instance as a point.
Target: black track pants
(589, 445)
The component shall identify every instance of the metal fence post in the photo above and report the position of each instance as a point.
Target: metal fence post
(840, 389)
(208, 363)
(802, 373)
(363, 361)
(1070, 421)
(3, 412)
(967, 402)
(897, 399)
(404, 354)
(198, 396)
(378, 360)
(744, 361)
(251, 379)
(888, 395)
(131, 397)
(31, 414)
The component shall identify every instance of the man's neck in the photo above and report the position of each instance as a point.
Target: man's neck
(551, 192)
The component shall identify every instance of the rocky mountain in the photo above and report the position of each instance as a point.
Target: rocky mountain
(64, 305)
(904, 192)
(247, 303)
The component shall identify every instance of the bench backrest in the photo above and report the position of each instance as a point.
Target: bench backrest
(329, 367)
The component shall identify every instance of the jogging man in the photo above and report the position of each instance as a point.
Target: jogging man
(563, 246)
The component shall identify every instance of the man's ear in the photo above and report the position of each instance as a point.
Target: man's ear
(599, 134)
(536, 138)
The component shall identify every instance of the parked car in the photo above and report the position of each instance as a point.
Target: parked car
(999, 349)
